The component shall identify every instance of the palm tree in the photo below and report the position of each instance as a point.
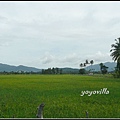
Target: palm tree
(116, 53)
(86, 62)
(91, 62)
(81, 65)
(101, 66)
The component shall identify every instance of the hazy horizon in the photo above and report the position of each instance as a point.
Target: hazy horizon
(89, 65)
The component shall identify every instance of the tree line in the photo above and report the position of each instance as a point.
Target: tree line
(103, 68)
(115, 56)
(52, 71)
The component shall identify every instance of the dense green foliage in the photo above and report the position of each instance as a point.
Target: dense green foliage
(103, 68)
(20, 95)
(52, 71)
(116, 55)
(82, 71)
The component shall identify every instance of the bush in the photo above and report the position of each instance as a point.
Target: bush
(82, 71)
(116, 74)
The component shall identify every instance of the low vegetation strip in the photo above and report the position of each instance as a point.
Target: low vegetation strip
(20, 95)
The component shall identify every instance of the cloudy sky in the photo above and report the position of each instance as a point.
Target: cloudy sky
(57, 34)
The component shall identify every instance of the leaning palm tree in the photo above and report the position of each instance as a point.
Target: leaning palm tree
(116, 53)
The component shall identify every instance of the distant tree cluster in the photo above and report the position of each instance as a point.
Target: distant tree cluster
(82, 65)
(103, 68)
(52, 71)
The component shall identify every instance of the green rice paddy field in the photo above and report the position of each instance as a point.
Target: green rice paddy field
(20, 95)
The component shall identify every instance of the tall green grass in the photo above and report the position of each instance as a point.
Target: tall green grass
(20, 95)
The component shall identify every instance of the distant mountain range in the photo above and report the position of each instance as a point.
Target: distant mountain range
(8, 68)
(111, 66)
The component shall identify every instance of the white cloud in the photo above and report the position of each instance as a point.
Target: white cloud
(71, 32)
(70, 58)
(47, 58)
(100, 57)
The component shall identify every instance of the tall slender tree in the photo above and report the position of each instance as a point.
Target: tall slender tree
(81, 65)
(101, 66)
(82, 70)
(116, 53)
(91, 62)
(86, 62)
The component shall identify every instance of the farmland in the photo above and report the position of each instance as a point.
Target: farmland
(20, 95)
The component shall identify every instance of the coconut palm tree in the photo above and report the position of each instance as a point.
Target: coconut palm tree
(101, 66)
(91, 62)
(81, 65)
(86, 62)
(116, 53)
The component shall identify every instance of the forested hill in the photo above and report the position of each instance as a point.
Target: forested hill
(8, 68)
(111, 66)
